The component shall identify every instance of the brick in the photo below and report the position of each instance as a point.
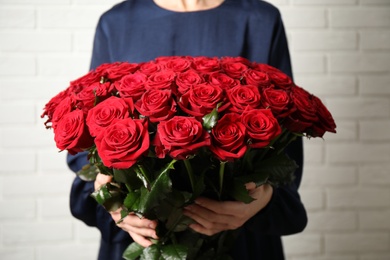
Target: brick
(313, 199)
(12, 209)
(358, 153)
(374, 2)
(308, 63)
(360, 17)
(359, 108)
(352, 198)
(55, 208)
(68, 17)
(28, 2)
(323, 175)
(324, 2)
(72, 67)
(50, 161)
(108, 3)
(17, 253)
(15, 65)
(332, 221)
(356, 242)
(375, 130)
(359, 62)
(35, 42)
(83, 41)
(86, 233)
(326, 86)
(28, 136)
(374, 220)
(346, 131)
(314, 152)
(323, 40)
(375, 40)
(325, 257)
(10, 161)
(375, 256)
(375, 85)
(17, 113)
(66, 252)
(298, 17)
(32, 89)
(377, 174)
(47, 185)
(17, 17)
(302, 244)
(22, 233)
(278, 2)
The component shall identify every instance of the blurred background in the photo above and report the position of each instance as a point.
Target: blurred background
(340, 52)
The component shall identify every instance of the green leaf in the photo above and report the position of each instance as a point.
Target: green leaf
(150, 199)
(133, 251)
(280, 169)
(88, 172)
(211, 119)
(151, 253)
(239, 192)
(132, 201)
(128, 177)
(109, 196)
(174, 252)
(159, 189)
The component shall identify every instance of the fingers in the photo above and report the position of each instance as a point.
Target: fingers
(101, 179)
(140, 229)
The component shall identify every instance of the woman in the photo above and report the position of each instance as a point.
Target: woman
(141, 30)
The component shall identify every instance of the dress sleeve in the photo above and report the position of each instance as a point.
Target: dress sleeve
(285, 214)
(82, 205)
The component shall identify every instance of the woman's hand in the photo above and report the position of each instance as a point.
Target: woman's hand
(140, 229)
(212, 216)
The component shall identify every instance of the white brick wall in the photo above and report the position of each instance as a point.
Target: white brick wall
(340, 51)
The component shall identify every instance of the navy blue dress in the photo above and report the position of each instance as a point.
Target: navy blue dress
(138, 31)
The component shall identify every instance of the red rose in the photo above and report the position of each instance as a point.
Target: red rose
(206, 64)
(242, 97)
(256, 78)
(178, 64)
(85, 81)
(264, 67)
(278, 100)
(107, 112)
(180, 137)
(132, 85)
(280, 79)
(71, 133)
(148, 68)
(202, 99)
(117, 70)
(64, 107)
(123, 143)
(262, 127)
(161, 80)
(222, 80)
(86, 99)
(51, 106)
(228, 138)
(157, 105)
(305, 114)
(325, 122)
(234, 69)
(236, 60)
(187, 79)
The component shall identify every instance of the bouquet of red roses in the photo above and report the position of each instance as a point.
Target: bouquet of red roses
(176, 128)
